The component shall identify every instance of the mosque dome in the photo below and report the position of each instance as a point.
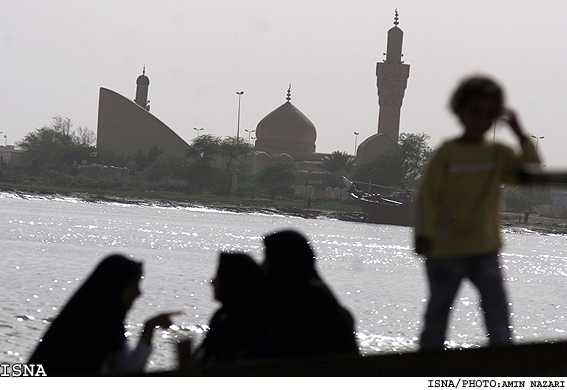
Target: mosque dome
(286, 129)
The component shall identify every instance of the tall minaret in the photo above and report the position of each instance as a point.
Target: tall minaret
(392, 76)
(142, 83)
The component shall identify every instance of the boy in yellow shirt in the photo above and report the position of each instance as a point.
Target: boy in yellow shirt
(457, 223)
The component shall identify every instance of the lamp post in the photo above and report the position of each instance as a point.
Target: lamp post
(537, 141)
(198, 130)
(249, 133)
(238, 121)
(355, 139)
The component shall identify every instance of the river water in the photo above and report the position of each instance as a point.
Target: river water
(48, 245)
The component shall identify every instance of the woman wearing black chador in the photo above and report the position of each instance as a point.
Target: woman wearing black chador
(233, 328)
(87, 338)
(302, 316)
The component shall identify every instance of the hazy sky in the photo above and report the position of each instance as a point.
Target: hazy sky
(55, 55)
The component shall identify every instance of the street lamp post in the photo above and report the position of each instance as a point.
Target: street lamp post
(249, 133)
(238, 121)
(355, 141)
(198, 130)
(537, 141)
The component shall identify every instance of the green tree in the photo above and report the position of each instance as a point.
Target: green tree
(383, 170)
(142, 160)
(218, 162)
(233, 152)
(338, 162)
(109, 157)
(400, 166)
(277, 179)
(414, 153)
(520, 199)
(85, 136)
(202, 176)
(206, 147)
(54, 147)
(166, 167)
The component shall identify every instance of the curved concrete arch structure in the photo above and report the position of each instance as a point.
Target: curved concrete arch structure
(126, 128)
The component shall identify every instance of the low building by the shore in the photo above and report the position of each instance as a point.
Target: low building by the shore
(10, 156)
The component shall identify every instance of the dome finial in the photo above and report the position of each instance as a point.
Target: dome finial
(144, 70)
(289, 93)
(396, 18)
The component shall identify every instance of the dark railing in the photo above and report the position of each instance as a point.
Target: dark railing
(526, 360)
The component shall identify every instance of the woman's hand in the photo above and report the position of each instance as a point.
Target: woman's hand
(162, 320)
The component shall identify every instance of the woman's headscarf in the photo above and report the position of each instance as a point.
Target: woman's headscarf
(239, 278)
(233, 328)
(289, 255)
(302, 315)
(90, 326)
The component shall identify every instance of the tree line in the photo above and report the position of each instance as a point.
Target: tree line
(219, 165)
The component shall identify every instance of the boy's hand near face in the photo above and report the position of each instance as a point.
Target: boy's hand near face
(511, 118)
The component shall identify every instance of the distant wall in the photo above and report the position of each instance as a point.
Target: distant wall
(126, 128)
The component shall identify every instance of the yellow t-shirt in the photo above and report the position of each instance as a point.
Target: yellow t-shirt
(459, 199)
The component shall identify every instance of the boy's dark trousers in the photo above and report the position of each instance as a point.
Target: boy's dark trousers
(445, 276)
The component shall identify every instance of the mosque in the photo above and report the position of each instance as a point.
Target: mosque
(391, 75)
(284, 135)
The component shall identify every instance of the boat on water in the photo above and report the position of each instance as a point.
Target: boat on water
(392, 210)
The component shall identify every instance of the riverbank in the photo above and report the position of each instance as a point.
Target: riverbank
(510, 221)
(297, 208)
(535, 223)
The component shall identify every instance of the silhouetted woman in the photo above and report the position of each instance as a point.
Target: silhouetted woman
(302, 317)
(87, 337)
(233, 328)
